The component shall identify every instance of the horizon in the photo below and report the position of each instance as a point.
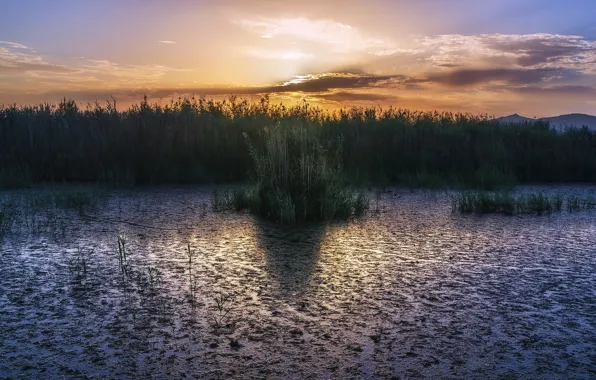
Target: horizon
(533, 57)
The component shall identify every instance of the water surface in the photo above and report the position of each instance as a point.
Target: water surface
(411, 291)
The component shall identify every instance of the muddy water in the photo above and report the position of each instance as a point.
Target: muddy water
(413, 291)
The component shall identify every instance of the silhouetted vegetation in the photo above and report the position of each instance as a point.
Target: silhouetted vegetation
(200, 141)
(7, 217)
(296, 179)
(484, 202)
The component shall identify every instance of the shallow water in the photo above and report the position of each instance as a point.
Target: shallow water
(412, 291)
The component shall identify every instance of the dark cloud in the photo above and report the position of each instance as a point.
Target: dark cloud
(327, 83)
(467, 77)
(448, 65)
(317, 84)
(348, 87)
(539, 50)
(344, 96)
(566, 90)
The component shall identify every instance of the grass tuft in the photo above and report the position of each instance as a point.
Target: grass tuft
(298, 179)
(484, 202)
(7, 217)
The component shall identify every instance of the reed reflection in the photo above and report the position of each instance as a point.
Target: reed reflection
(291, 253)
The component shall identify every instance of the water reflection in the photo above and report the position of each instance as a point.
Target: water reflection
(414, 291)
(291, 254)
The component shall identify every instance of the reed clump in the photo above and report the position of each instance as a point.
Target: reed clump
(295, 178)
(299, 178)
(485, 202)
(575, 203)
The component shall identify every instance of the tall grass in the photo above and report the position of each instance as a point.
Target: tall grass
(7, 217)
(484, 202)
(575, 203)
(294, 178)
(299, 176)
(195, 141)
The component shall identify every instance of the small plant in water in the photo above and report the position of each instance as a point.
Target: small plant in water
(78, 266)
(193, 282)
(76, 199)
(123, 255)
(7, 218)
(223, 306)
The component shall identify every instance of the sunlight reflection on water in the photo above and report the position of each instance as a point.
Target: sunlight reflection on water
(412, 291)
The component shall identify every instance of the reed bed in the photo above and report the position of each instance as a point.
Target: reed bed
(575, 203)
(485, 202)
(201, 141)
(7, 217)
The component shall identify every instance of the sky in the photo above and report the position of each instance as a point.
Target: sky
(532, 57)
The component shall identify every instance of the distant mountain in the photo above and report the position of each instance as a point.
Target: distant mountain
(515, 118)
(558, 122)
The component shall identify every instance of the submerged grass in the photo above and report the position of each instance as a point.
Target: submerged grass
(198, 141)
(484, 202)
(48, 209)
(7, 217)
(575, 203)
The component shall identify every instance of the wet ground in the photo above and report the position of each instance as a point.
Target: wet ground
(412, 291)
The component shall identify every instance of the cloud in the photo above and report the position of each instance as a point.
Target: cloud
(282, 55)
(521, 50)
(329, 81)
(449, 65)
(12, 67)
(389, 52)
(29, 73)
(558, 90)
(166, 42)
(13, 45)
(15, 61)
(327, 84)
(350, 97)
(343, 86)
(338, 37)
(467, 77)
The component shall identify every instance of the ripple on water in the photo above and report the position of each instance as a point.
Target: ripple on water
(412, 291)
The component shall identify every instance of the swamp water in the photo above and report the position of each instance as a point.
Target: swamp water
(412, 291)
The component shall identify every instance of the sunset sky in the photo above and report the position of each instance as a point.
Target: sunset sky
(532, 57)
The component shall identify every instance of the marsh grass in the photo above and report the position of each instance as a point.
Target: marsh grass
(8, 215)
(197, 141)
(484, 202)
(77, 199)
(193, 280)
(235, 199)
(141, 286)
(575, 203)
(78, 266)
(123, 254)
(224, 304)
(297, 179)
(48, 210)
